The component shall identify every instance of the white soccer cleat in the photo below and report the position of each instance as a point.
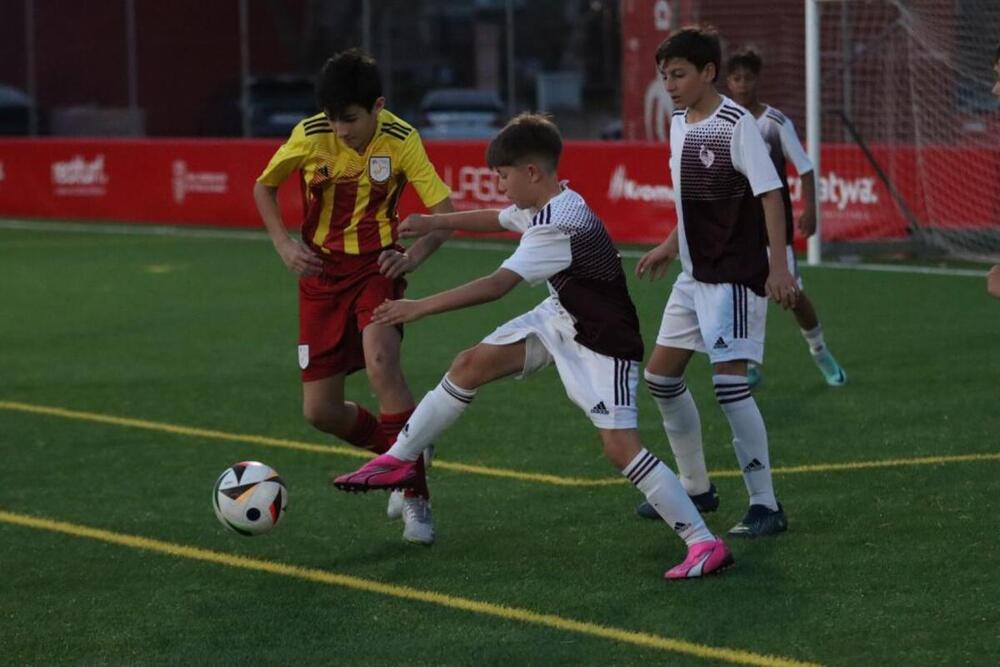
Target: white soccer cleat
(418, 521)
(394, 510)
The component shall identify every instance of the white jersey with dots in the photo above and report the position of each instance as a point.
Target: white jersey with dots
(566, 244)
(719, 166)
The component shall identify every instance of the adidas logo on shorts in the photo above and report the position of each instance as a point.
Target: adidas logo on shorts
(599, 409)
(720, 344)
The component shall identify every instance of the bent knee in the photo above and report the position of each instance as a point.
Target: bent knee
(465, 369)
(335, 418)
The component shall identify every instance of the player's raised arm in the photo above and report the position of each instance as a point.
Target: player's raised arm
(486, 220)
(483, 290)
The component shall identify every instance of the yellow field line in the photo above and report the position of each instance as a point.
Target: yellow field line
(524, 476)
(642, 639)
(289, 444)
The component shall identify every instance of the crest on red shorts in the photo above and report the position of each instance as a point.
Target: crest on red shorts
(303, 357)
(379, 169)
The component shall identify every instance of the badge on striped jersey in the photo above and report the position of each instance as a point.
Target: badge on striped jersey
(379, 168)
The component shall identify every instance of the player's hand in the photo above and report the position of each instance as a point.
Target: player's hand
(782, 288)
(394, 264)
(993, 281)
(299, 259)
(400, 311)
(655, 262)
(807, 223)
(416, 225)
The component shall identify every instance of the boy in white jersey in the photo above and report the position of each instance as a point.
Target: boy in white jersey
(719, 166)
(587, 327)
(743, 71)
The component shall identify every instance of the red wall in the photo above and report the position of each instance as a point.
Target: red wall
(209, 182)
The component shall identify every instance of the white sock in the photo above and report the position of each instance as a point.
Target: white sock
(814, 337)
(683, 426)
(664, 492)
(749, 437)
(436, 412)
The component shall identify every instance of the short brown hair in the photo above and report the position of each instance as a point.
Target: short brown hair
(699, 45)
(527, 137)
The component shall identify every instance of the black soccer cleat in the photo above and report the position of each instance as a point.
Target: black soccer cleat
(761, 521)
(704, 502)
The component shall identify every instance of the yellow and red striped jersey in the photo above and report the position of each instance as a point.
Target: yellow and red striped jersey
(350, 198)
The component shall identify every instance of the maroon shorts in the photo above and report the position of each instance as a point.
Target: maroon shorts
(334, 308)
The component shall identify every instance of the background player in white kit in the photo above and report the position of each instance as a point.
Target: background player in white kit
(719, 166)
(743, 72)
(587, 327)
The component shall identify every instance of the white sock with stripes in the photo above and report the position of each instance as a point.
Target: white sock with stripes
(683, 426)
(749, 437)
(664, 492)
(436, 412)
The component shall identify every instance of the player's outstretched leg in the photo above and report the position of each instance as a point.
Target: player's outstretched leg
(382, 472)
(399, 467)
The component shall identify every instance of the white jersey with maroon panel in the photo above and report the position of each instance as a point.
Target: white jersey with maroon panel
(719, 166)
(588, 326)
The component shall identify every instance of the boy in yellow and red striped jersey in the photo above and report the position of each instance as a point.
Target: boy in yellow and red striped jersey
(354, 158)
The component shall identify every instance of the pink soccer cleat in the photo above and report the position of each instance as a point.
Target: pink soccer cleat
(382, 472)
(702, 559)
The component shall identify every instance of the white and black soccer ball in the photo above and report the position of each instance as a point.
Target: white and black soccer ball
(249, 498)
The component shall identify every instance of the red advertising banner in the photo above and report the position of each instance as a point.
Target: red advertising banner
(626, 183)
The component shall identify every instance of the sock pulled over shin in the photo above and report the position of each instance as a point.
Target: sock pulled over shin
(438, 410)
(682, 424)
(664, 492)
(749, 437)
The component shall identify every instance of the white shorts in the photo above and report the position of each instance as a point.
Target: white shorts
(724, 320)
(604, 387)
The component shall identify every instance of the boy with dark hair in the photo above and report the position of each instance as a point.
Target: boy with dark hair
(355, 158)
(743, 72)
(719, 166)
(587, 327)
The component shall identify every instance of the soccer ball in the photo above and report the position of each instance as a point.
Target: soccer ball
(249, 498)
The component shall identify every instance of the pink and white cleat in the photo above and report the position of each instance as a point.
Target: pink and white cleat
(702, 559)
(382, 472)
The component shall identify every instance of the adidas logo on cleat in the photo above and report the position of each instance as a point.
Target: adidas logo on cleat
(599, 409)
(720, 344)
(753, 466)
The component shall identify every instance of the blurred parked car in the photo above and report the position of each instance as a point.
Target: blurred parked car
(461, 113)
(278, 103)
(14, 109)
